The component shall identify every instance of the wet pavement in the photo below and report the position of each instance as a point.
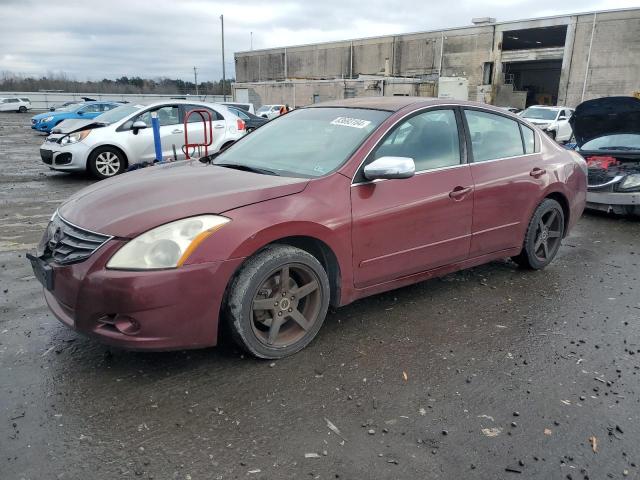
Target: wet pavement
(490, 373)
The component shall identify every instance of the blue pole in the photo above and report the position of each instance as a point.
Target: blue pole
(155, 124)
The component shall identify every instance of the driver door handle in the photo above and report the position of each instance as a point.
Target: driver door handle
(537, 172)
(177, 130)
(459, 192)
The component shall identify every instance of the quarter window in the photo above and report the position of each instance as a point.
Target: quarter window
(430, 139)
(529, 139)
(493, 136)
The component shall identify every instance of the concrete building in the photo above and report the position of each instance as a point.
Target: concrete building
(554, 60)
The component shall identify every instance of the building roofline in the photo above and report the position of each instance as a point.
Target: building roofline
(505, 22)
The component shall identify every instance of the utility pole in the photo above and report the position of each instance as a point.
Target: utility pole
(251, 40)
(195, 77)
(224, 79)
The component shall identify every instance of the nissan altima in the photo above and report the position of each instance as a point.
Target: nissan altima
(322, 206)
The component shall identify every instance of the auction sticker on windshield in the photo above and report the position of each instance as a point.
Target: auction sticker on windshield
(350, 122)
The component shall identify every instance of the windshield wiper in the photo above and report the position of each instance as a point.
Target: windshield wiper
(246, 168)
(617, 147)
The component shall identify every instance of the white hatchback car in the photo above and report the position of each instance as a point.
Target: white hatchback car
(110, 143)
(553, 120)
(15, 104)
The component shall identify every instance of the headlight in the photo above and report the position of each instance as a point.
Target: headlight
(167, 246)
(74, 137)
(48, 119)
(630, 182)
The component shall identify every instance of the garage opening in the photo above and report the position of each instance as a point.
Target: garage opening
(539, 78)
(528, 38)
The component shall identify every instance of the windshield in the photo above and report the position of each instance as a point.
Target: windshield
(310, 142)
(71, 108)
(621, 141)
(117, 113)
(536, 113)
(264, 109)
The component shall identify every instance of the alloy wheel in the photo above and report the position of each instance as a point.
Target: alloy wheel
(107, 164)
(286, 305)
(548, 235)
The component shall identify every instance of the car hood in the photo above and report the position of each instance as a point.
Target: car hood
(605, 116)
(71, 125)
(44, 115)
(135, 202)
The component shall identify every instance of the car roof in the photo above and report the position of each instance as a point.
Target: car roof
(394, 104)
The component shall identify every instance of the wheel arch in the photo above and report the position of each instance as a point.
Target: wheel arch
(108, 145)
(564, 203)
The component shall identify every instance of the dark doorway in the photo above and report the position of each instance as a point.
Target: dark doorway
(546, 37)
(539, 78)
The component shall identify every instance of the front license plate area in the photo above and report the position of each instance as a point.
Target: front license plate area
(42, 271)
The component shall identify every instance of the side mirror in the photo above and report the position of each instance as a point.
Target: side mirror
(80, 112)
(390, 167)
(562, 117)
(138, 125)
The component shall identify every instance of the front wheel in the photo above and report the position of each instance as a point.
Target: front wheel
(106, 162)
(22, 109)
(277, 302)
(543, 237)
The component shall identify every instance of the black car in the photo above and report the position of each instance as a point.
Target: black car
(251, 121)
(607, 132)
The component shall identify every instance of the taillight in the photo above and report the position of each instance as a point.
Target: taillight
(240, 124)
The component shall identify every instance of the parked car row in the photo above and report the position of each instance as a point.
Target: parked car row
(109, 143)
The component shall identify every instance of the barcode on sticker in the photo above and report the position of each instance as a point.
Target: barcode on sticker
(350, 122)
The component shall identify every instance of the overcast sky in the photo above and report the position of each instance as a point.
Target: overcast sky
(94, 39)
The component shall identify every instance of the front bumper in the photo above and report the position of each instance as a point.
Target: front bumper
(140, 310)
(614, 202)
(42, 126)
(71, 158)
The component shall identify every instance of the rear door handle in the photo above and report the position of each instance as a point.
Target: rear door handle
(219, 126)
(177, 130)
(459, 192)
(537, 172)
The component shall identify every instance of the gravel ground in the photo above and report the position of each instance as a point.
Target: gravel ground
(490, 373)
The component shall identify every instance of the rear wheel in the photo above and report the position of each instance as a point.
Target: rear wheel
(543, 237)
(106, 162)
(277, 302)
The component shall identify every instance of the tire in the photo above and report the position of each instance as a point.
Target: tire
(552, 134)
(22, 109)
(276, 331)
(106, 162)
(544, 236)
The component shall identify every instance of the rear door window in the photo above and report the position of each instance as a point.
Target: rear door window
(493, 136)
(195, 117)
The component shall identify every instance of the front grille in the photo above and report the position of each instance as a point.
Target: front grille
(65, 243)
(46, 155)
(598, 176)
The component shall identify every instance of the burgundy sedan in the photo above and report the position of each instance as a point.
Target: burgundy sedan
(322, 206)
